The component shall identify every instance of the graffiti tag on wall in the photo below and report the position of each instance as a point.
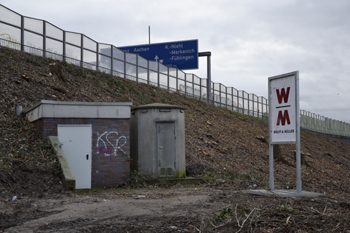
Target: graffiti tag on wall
(108, 146)
(9, 40)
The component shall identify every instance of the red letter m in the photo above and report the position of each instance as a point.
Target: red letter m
(282, 118)
(283, 95)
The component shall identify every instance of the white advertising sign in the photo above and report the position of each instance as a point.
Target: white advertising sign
(284, 125)
(284, 107)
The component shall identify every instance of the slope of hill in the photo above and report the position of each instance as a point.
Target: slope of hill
(224, 146)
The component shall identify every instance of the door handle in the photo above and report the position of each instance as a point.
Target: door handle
(87, 157)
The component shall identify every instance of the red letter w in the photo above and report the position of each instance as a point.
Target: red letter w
(283, 95)
(282, 118)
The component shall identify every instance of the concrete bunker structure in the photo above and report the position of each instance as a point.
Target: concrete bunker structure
(95, 138)
(157, 144)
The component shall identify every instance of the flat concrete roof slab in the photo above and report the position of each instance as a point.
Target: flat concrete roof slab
(65, 109)
(284, 193)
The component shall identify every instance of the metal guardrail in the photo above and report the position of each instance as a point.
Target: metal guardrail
(44, 39)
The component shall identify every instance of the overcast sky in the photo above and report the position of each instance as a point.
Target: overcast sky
(250, 40)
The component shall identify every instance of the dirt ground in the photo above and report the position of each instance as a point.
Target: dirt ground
(175, 209)
(227, 148)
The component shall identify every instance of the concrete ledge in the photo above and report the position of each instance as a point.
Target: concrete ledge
(68, 177)
(284, 193)
(64, 109)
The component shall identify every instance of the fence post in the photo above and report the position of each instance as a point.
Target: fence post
(64, 46)
(137, 68)
(258, 106)
(238, 107)
(168, 73)
(148, 74)
(177, 80)
(323, 125)
(192, 85)
(226, 98)
(262, 108)
(265, 104)
(44, 38)
(81, 50)
(243, 102)
(237, 100)
(200, 89)
(219, 94)
(254, 105)
(248, 104)
(97, 56)
(301, 118)
(231, 98)
(112, 59)
(124, 65)
(185, 86)
(22, 33)
(158, 75)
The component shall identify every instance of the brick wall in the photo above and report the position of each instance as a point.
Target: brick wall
(111, 151)
(110, 147)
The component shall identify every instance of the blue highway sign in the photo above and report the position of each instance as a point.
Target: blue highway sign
(179, 54)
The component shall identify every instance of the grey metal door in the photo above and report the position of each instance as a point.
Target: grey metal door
(166, 149)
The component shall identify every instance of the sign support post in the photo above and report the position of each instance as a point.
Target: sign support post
(208, 55)
(297, 154)
(271, 169)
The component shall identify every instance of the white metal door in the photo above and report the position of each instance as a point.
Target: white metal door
(76, 144)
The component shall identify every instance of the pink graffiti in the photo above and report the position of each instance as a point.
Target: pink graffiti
(106, 151)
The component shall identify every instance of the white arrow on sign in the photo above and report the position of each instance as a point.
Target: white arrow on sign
(156, 58)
